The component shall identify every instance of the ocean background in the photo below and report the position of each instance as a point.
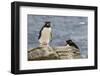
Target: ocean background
(63, 28)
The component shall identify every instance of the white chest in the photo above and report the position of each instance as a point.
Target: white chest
(46, 32)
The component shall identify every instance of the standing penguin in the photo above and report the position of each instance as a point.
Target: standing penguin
(72, 44)
(45, 34)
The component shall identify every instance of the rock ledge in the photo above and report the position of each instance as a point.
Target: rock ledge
(51, 53)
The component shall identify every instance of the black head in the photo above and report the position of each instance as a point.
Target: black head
(69, 42)
(47, 24)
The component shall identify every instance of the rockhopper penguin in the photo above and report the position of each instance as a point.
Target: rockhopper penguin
(72, 44)
(45, 34)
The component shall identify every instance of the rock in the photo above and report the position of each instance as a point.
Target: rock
(50, 53)
(42, 53)
(67, 52)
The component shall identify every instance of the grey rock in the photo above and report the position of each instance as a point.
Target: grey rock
(50, 53)
(42, 53)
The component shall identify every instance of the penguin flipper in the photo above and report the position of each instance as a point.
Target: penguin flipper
(40, 33)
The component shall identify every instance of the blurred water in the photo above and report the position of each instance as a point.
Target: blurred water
(63, 28)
